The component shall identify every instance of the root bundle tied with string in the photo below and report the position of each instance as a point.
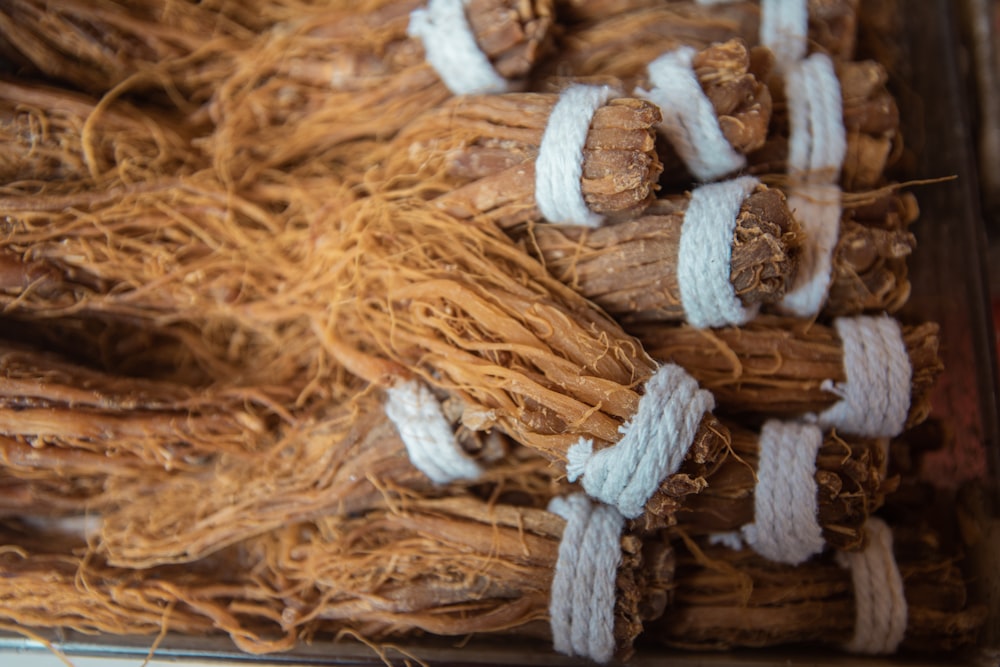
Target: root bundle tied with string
(871, 123)
(780, 366)
(342, 462)
(459, 566)
(840, 487)
(462, 307)
(647, 270)
(496, 155)
(307, 91)
(622, 34)
(900, 592)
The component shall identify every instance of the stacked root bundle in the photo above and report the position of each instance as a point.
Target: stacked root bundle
(456, 318)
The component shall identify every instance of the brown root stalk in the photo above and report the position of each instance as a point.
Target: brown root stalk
(725, 599)
(462, 306)
(454, 566)
(870, 272)
(850, 481)
(476, 155)
(308, 90)
(630, 269)
(776, 366)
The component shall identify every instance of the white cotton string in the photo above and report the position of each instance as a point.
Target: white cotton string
(785, 527)
(817, 138)
(451, 48)
(817, 209)
(704, 262)
(875, 397)
(689, 119)
(880, 602)
(653, 444)
(427, 434)
(784, 28)
(582, 600)
(732, 539)
(817, 146)
(559, 165)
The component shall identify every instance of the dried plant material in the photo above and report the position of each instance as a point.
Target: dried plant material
(725, 599)
(777, 366)
(71, 437)
(630, 269)
(184, 258)
(71, 420)
(832, 25)
(461, 306)
(94, 45)
(454, 566)
(302, 92)
(870, 271)
(340, 461)
(731, 76)
(43, 131)
(871, 123)
(50, 581)
(477, 155)
(850, 485)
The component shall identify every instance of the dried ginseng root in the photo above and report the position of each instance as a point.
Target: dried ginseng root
(870, 118)
(96, 45)
(715, 103)
(338, 462)
(56, 412)
(507, 156)
(634, 269)
(187, 259)
(790, 490)
(461, 566)
(457, 304)
(869, 270)
(609, 32)
(71, 436)
(53, 135)
(865, 602)
(300, 92)
(864, 375)
(48, 579)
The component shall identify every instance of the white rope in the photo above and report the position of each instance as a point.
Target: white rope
(582, 601)
(704, 263)
(784, 28)
(653, 444)
(875, 397)
(785, 527)
(451, 48)
(880, 601)
(817, 209)
(689, 119)
(817, 138)
(817, 146)
(559, 165)
(427, 434)
(732, 539)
